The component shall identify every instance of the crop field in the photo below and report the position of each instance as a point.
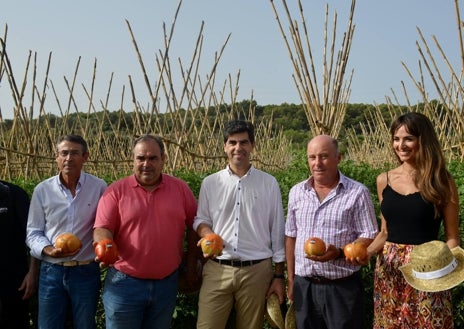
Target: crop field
(190, 119)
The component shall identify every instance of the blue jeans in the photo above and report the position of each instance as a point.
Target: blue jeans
(61, 287)
(132, 303)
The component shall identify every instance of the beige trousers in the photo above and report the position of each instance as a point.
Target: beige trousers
(225, 287)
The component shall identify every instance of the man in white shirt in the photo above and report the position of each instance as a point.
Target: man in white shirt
(244, 206)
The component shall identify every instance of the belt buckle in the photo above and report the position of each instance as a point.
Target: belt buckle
(236, 263)
(70, 263)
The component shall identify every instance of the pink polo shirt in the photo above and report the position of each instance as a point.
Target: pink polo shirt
(148, 226)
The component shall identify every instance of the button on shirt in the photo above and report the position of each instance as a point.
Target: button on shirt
(347, 213)
(246, 212)
(54, 210)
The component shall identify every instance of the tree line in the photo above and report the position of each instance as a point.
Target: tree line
(289, 117)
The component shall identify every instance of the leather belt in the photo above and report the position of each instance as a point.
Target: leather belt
(75, 262)
(237, 262)
(323, 280)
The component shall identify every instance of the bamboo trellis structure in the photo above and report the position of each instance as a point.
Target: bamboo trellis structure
(324, 105)
(189, 116)
(446, 112)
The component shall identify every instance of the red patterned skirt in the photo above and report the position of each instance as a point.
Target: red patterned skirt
(399, 306)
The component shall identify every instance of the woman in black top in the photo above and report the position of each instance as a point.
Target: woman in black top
(415, 198)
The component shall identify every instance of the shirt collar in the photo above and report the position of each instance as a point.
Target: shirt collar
(249, 172)
(134, 183)
(80, 182)
(309, 184)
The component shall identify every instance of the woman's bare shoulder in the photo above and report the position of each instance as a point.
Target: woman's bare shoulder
(387, 176)
(382, 177)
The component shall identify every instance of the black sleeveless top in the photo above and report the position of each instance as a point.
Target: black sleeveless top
(410, 219)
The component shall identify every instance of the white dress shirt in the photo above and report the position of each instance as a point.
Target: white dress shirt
(246, 212)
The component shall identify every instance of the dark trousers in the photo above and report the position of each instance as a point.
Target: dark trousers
(329, 305)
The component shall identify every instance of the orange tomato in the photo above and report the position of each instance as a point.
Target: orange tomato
(355, 249)
(314, 247)
(68, 242)
(212, 244)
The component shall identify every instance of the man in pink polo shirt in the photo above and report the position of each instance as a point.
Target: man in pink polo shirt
(146, 215)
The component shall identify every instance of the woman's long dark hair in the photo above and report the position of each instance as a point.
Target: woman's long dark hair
(431, 178)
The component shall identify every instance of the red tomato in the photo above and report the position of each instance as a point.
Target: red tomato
(355, 249)
(314, 247)
(107, 251)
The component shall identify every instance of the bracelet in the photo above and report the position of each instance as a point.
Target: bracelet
(279, 276)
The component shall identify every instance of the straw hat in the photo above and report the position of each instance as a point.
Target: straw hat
(274, 313)
(290, 320)
(434, 267)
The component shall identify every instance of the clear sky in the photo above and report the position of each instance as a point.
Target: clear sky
(385, 35)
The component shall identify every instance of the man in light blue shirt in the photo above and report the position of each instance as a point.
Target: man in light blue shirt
(63, 203)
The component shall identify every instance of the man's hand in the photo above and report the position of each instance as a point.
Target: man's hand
(30, 281)
(359, 261)
(278, 287)
(51, 251)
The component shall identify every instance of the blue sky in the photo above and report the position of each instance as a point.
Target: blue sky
(385, 35)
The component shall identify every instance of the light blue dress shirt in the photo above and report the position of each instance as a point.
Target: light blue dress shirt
(54, 211)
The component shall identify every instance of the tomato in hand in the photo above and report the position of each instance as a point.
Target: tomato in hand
(68, 242)
(355, 250)
(212, 244)
(107, 251)
(314, 247)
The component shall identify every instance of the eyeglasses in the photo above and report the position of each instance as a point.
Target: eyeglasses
(73, 153)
